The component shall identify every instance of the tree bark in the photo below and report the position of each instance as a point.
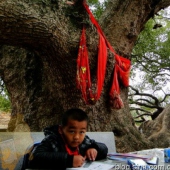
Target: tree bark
(40, 74)
(157, 130)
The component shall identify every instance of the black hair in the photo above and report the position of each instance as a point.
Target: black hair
(74, 114)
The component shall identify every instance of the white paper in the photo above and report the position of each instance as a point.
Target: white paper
(77, 168)
(99, 166)
(94, 166)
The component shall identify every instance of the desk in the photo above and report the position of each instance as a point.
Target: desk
(118, 165)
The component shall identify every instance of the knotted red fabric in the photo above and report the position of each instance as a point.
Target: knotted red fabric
(121, 69)
(121, 73)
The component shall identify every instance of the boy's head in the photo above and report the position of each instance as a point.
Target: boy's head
(74, 126)
(74, 114)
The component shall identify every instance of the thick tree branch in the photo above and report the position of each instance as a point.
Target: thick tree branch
(140, 109)
(143, 104)
(143, 94)
(128, 17)
(166, 95)
(164, 67)
(145, 100)
(34, 25)
(141, 115)
(154, 103)
(24, 17)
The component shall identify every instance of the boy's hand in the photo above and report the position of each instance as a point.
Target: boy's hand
(78, 161)
(91, 154)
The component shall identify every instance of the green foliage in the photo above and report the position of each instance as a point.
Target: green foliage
(5, 104)
(152, 53)
(150, 68)
(97, 7)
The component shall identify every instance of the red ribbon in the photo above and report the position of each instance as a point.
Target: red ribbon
(121, 69)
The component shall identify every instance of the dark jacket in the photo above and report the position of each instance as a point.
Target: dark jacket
(51, 152)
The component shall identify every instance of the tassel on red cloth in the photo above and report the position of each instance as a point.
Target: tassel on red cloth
(121, 73)
(115, 100)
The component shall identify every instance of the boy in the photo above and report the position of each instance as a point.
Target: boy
(67, 145)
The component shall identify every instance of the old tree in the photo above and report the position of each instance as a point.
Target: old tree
(39, 46)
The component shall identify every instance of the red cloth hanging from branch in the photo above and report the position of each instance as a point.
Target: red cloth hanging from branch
(121, 69)
(101, 64)
(83, 70)
(121, 73)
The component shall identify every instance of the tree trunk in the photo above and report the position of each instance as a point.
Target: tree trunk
(157, 130)
(40, 74)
